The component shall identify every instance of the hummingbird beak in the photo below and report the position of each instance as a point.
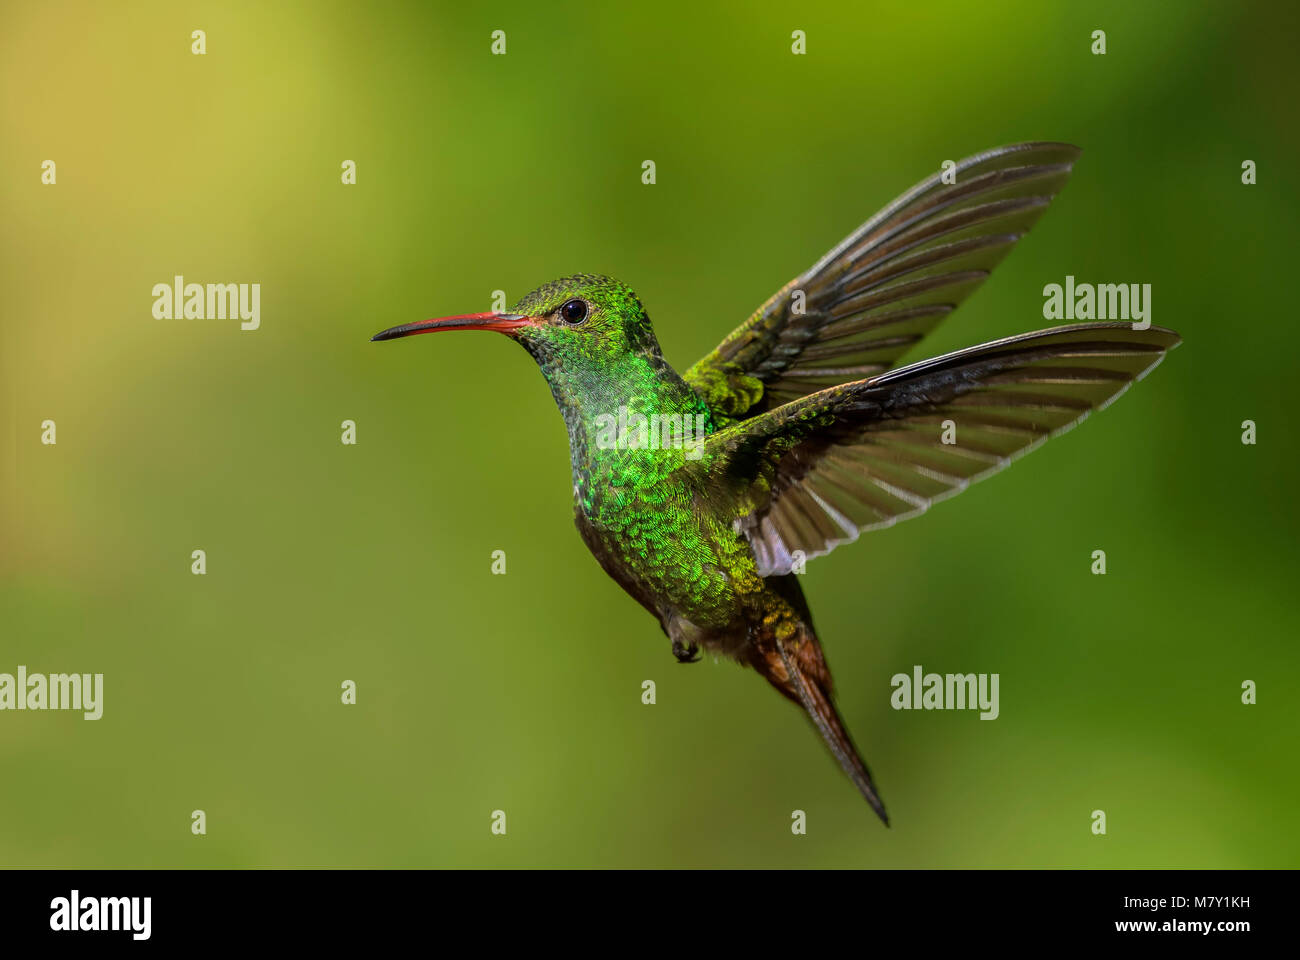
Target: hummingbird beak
(505, 323)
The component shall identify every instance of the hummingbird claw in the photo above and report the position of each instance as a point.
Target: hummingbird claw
(685, 654)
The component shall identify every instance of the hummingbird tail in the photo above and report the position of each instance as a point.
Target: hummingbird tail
(807, 680)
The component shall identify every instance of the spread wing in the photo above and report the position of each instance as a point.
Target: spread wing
(888, 284)
(817, 472)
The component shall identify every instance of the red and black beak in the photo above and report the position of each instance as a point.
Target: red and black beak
(506, 323)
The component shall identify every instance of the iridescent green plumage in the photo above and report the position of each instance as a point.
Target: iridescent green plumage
(797, 433)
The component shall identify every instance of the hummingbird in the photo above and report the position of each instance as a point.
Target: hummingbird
(704, 493)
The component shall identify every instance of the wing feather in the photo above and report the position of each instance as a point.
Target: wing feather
(825, 468)
(886, 285)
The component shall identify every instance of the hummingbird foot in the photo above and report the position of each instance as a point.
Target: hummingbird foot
(685, 654)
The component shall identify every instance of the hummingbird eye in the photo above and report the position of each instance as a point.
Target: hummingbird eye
(574, 311)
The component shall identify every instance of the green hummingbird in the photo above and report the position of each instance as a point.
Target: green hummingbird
(702, 494)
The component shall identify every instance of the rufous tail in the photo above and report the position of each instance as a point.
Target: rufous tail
(797, 668)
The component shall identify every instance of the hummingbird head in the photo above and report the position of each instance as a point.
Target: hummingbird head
(586, 332)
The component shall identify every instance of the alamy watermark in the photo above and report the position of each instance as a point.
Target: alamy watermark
(57, 691)
(179, 300)
(1101, 301)
(634, 431)
(952, 691)
(77, 913)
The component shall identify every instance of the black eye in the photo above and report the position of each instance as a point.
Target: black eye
(574, 311)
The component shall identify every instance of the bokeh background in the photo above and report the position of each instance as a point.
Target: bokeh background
(522, 692)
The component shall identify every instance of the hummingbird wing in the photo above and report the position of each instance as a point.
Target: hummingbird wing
(815, 473)
(885, 286)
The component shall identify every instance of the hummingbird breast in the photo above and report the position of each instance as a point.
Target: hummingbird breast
(654, 535)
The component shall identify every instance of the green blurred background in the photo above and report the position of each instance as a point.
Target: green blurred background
(522, 692)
